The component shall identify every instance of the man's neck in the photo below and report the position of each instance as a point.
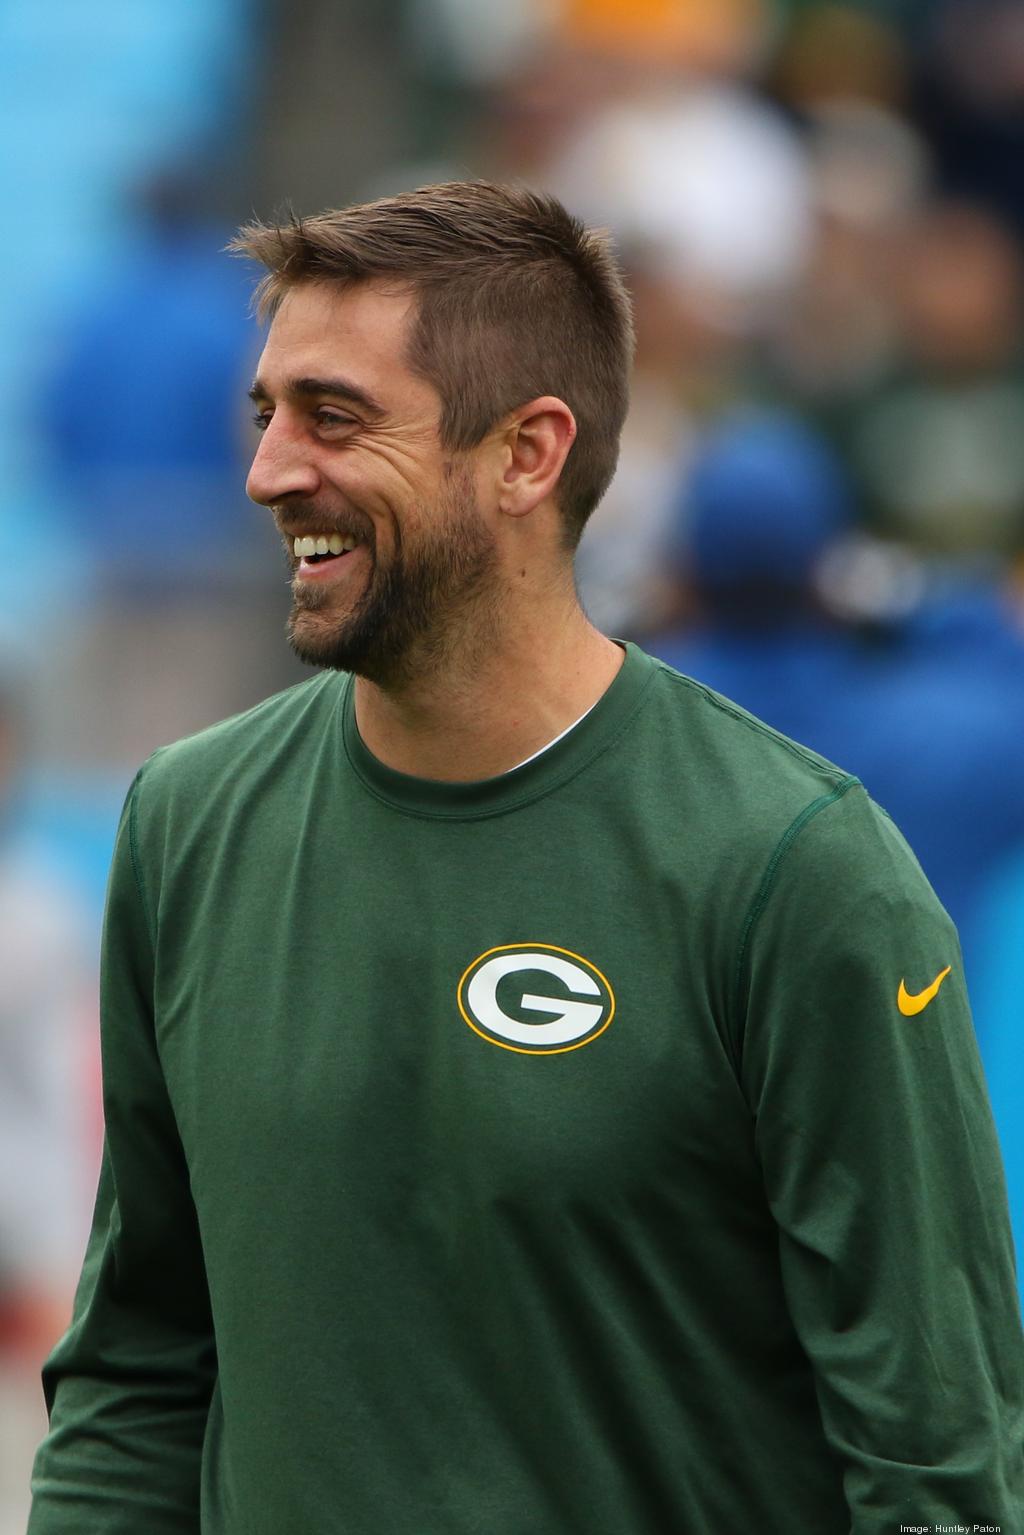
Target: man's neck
(476, 721)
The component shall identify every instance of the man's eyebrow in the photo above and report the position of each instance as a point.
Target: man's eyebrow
(336, 388)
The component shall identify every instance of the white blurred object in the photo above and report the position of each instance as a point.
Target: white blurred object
(711, 183)
(862, 580)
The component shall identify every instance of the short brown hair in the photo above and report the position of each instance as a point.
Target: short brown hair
(516, 299)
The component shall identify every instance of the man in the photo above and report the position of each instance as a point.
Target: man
(539, 1097)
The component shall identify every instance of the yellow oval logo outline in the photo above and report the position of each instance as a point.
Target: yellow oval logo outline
(526, 948)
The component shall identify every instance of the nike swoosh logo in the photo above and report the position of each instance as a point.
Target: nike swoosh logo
(909, 1006)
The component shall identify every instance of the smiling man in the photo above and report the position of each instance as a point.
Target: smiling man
(540, 1098)
(370, 591)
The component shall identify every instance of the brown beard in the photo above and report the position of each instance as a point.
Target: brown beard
(412, 605)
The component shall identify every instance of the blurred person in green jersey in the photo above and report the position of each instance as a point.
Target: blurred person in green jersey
(538, 1095)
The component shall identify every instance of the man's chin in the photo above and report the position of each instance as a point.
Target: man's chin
(322, 641)
(315, 639)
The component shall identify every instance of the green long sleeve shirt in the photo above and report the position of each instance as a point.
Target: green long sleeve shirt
(591, 1149)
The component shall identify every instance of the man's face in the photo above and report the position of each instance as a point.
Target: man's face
(350, 460)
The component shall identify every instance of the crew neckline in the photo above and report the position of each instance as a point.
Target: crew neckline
(554, 739)
(562, 760)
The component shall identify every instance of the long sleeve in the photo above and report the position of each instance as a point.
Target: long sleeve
(129, 1386)
(881, 1168)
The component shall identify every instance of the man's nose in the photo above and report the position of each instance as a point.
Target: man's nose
(280, 467)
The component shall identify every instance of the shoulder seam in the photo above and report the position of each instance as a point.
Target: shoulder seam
(527, 798)
(723, 705)
(782, 847)
(133, 847)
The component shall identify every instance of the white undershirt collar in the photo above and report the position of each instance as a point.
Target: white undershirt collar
(560, 737)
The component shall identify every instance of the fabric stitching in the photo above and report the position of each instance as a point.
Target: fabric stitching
(133, 848)
(812, 759)
(782, 847)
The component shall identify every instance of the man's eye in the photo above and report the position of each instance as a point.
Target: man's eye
(260, 421)
(333, 418)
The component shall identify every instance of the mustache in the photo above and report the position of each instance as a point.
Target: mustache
(301, 516)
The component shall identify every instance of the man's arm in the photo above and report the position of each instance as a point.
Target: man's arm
(129, 1386)
(882, 1171)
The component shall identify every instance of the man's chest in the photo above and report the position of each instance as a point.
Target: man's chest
(496, 1014)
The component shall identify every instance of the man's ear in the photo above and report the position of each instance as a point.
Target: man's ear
(537, 439)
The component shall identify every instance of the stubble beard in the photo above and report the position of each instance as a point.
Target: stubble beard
(417, 608)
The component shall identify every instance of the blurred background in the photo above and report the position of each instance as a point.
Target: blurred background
(819, 508)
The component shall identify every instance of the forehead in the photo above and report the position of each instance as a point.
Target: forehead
(322, 330)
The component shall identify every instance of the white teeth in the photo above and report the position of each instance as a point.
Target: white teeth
(336, 543)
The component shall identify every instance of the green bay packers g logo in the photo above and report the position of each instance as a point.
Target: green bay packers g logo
(521, 978)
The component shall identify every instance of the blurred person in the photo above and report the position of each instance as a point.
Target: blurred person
(44, 1085)
(765, 506)
(151, 489)
(834, 339)
(524, 1071)
(147, 487)
(686, 369)
(968, 98)
(47, 1096)
(842, 70)
(940, 449)
(706, 191)
(763, 502)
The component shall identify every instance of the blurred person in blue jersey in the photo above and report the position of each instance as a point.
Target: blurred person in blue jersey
(150, 486)
(151, 478)
(936, 739)
(763, 502)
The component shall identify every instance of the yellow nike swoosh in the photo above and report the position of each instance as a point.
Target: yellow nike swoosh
(909, 1005)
